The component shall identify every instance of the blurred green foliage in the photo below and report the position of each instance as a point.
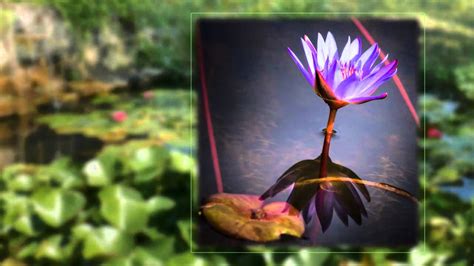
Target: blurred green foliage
(64, 212)
(118, 207)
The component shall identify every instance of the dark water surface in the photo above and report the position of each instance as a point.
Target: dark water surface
(23, 140)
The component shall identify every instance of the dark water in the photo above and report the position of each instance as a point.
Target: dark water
(23, 140)
(464, 191)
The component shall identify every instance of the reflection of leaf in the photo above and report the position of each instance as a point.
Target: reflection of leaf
(243, 216)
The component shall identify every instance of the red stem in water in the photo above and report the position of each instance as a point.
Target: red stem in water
(327, 141)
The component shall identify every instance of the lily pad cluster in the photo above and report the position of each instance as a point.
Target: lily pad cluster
(106, 209)
(162, 114)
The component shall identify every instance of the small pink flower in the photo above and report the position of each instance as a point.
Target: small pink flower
(119, 116)
(147, 95)
(434, 133)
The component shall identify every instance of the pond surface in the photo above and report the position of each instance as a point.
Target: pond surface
(464, 191)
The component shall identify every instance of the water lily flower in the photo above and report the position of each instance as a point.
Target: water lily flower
(349, 78)
(147, 95)
(434, 133)
(119, 116)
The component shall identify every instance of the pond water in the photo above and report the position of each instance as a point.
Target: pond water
(24, 140)
(464, 191)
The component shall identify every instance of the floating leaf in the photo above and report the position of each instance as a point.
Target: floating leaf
(24, 225)
(182, 162)
(148, 162)
(50, 248)
(56, 206)
(124, 208)
(165, 117)
(244, 216)
(22, 182)
(96, 173)
(185, 227)
(107, 241)
(159, 203)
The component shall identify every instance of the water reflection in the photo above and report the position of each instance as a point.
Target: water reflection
(322, 198)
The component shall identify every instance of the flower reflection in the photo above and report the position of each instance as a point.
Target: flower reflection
(323, 198)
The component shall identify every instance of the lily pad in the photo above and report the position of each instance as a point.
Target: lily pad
(245, 217)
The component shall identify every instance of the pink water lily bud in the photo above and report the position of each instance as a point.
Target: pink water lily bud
(119, 116)
(147, 95)
(434, 133)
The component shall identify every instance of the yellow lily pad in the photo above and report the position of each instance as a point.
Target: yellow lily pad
(245, 217)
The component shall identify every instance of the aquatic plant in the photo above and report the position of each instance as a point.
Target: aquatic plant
(321, 186)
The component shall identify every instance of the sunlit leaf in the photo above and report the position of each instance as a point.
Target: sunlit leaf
(51, 248)
(181, 162)
(185, 228)
(124, 208)
(244, 216)
(106, 242)
(148, 162)
(56, 206)
(96, 173)
(159, 203)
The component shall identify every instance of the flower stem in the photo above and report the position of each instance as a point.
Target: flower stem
(383, 186)
(327, 141)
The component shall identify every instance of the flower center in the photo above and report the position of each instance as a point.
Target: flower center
(347, 70)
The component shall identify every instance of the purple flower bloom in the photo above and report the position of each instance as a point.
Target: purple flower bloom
(350, 78)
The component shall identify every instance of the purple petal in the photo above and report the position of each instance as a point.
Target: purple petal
(303, 70)
(313, 50)
(337, 76)
(346, 51)
(368, 58)
(331, 73)
(371, 83)
(341, 213)
(331, 46)
(324, 202)
(347, 86)
(322, 52)
(379, 65)
(360, 100)
(356, 47)
(309, 56)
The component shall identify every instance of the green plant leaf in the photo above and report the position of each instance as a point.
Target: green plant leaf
(159, 203)
(181, 162)
(96, 173)
(246, 217)
(124, 208)
(56, 206)
(24, 225)
(107, 241)
(148, 162)
(51, 248)
(184, 227)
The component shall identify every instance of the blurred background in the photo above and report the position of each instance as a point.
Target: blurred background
(96, 149)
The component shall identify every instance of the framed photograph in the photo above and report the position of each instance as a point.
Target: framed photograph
(306, 134)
